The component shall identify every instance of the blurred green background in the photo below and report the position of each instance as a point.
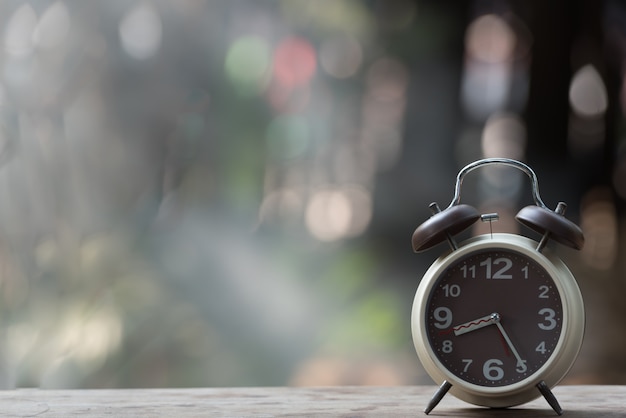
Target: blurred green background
(222, 193)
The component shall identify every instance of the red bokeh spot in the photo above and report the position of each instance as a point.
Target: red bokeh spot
(295, 62)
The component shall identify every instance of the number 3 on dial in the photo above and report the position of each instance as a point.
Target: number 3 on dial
(549, 319)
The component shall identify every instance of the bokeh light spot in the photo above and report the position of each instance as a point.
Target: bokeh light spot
(341, 56)
(247, 64)
(295, 62)
(587, 94)
(333, 16)
(504, 136)
(53, 27)
(140, 31)
(328, 215)
(490, 39)
(18, 32)
(336, 213)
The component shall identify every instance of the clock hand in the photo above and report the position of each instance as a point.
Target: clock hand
(520, 362)
(475, 324)
(479, 323)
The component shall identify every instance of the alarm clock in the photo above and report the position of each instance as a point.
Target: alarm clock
(499, 319)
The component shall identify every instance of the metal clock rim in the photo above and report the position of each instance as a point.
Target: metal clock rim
(555, 368)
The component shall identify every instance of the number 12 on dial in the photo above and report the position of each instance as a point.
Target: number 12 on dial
(499, 266)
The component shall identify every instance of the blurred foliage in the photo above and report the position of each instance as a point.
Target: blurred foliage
(136, 138)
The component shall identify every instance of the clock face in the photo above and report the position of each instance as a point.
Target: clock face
(494, 317)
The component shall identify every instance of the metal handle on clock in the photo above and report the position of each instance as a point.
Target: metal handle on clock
(497, 161)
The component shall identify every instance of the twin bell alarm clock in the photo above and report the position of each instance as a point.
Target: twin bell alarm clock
(499, 319)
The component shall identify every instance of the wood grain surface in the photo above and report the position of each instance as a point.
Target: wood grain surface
(401, 401)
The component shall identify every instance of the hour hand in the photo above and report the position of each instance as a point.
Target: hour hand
(475, 324)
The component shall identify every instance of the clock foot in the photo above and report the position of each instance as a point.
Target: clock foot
(438, 396)
(547, 393)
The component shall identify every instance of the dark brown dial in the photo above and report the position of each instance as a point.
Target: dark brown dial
(494, 317)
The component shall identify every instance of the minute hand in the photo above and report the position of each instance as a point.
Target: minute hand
(520, 362)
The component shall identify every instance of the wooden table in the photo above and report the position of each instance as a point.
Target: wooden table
(401, 401)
